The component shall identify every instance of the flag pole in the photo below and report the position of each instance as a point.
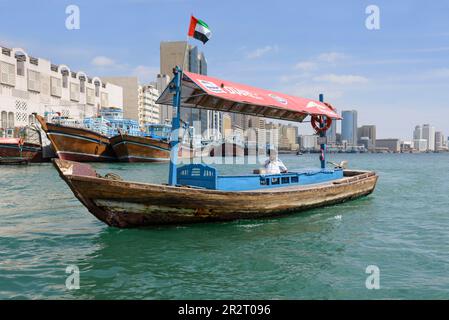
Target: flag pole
(187, 46)
(175, 88)
(323, 138)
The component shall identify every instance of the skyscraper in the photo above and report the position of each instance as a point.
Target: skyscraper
(180, 53)
(166, 111)
(417, 133)
(202, 63)
(428, 133)
(332, 133)
(172, 54)
(368, 131)
(194, 63)
(349, 127)
(439, 140)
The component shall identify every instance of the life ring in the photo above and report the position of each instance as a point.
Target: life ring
(318, 120)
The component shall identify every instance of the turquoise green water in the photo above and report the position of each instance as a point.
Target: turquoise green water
(403, 228)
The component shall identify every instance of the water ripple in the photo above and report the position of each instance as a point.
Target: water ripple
(319, 254)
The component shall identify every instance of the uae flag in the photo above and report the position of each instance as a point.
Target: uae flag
(199, 30)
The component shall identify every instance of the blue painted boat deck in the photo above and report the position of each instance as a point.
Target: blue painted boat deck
(203, 176)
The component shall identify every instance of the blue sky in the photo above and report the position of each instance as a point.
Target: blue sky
(396, 77)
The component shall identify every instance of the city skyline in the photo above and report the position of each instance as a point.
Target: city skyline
(425, 137)
(394, 77)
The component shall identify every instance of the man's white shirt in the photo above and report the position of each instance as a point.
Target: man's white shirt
(274, 167)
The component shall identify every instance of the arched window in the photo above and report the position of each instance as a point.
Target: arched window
(10, 119)
(97, 88)
(82, 84)
(65, 80)
(4, 119)
(20, 58)
(65, 77)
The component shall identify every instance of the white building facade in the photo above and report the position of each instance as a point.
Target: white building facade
(420, 145)
(32, 85)
(439, 141)
(428, 133)
(149, 111)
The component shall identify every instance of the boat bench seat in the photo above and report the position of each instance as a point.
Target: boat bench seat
(198, 175)
(203, 176)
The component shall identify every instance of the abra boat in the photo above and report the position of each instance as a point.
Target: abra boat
(77, 144)
(196, 192)
(201, 195)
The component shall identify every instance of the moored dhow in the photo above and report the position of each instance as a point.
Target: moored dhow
(196, 192)
(153, 145)
(140, 149)
(16, 150)
(76, 143)
(130, 148)
(23, 146)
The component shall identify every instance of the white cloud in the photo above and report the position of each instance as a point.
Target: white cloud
(102, 61)
(331, 57)
(440, 73)
(259, 52)
(326, 57)
(145, 73)
(305, 65)
(343, 79)
(313, 91)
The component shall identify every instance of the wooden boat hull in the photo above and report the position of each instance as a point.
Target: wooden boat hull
(144, 149)
(225, 150)
(130, 204)
(28, 152)
(140, 149)
(77, 144)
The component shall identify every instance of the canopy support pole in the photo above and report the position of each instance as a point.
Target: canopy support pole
(323, 137)
(175, 88)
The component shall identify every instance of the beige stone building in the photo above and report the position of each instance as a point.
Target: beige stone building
(288, 137)
(130, 87)
(149, 111)
(392, 145)
(34, 85)
(139, 101)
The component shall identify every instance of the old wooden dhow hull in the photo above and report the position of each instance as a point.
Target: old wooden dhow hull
(144, 149)
(223, 150)
(130, 204)
(28, 152)
(140, 149)
(78, 144)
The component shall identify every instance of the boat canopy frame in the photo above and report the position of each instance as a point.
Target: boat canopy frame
(202, 92)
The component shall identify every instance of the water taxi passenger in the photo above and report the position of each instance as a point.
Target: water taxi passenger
(274, 165)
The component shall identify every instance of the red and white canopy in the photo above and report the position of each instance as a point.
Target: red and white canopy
(205, 92)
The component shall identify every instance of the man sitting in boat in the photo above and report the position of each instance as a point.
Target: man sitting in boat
(274, 165)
